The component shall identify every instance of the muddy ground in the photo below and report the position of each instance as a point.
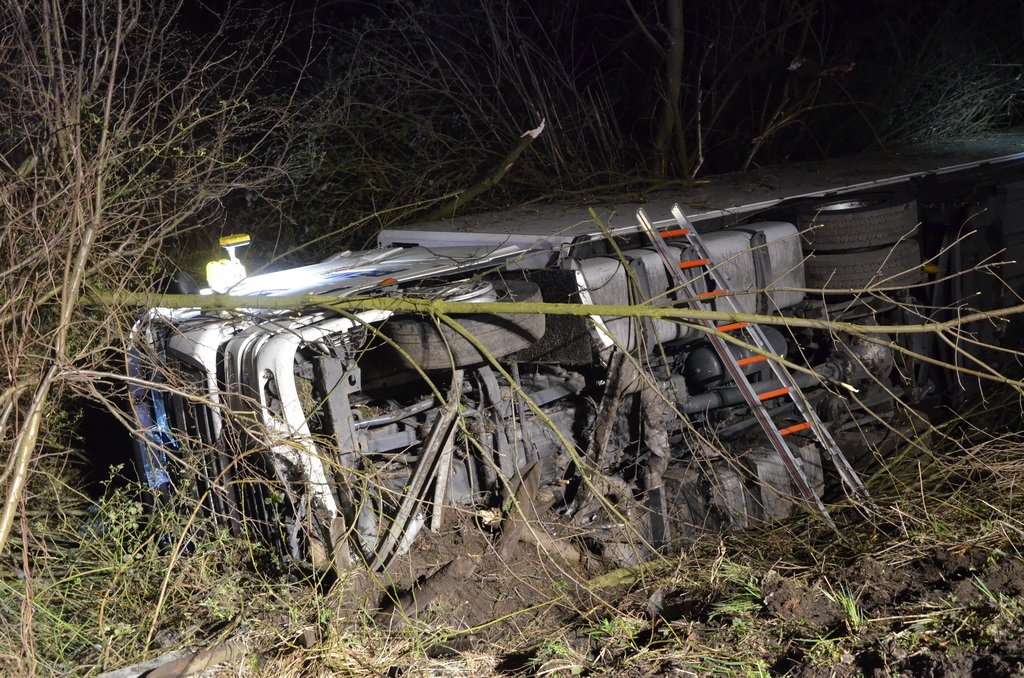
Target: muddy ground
(718, 606)
(928, 589)
(933, 585)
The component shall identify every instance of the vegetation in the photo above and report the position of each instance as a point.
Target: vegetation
(935, 585)
(133, 134)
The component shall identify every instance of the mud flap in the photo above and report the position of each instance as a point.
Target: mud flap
(729, 495)
(776, 495)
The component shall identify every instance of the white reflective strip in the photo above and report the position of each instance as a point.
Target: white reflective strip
(602, 330)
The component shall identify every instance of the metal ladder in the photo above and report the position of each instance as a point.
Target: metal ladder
(756, 401)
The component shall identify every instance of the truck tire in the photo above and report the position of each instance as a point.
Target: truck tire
(433, 347)
(857, 222)
(885, 267)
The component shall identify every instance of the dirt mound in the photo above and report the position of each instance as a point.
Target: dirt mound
(941, 613)
(539, 610)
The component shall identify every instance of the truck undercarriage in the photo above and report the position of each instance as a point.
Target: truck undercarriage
(336, 435)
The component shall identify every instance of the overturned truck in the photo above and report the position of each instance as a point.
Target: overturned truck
(336, 430)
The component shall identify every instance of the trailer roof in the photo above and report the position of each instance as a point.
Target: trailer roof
(739, 194)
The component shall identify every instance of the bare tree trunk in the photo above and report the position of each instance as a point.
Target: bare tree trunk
(671, 130)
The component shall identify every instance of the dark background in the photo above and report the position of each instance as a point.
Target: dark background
(422, 98)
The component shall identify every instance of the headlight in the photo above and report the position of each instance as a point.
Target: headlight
(223, 274)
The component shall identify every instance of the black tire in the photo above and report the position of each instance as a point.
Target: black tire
(433, 348)
(857, 222)
(886, 267)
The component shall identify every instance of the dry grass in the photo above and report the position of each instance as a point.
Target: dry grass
(748, 604)
(706, 608)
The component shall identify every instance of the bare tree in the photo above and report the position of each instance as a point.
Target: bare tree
(120, 133)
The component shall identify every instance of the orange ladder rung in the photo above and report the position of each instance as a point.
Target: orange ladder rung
(675, 233)
(768, 395)
(714, 293)
(692, 264)
(731, 326)
(795, 428)
(743, 362)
